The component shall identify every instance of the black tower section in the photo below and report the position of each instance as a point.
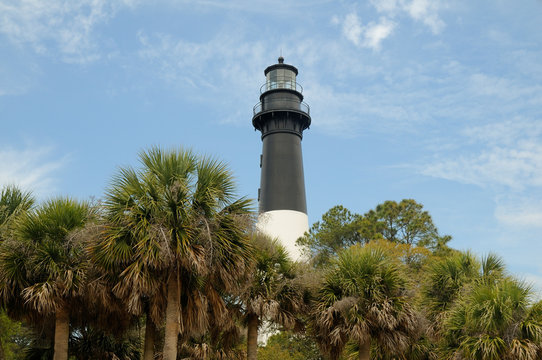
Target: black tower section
(281, 116)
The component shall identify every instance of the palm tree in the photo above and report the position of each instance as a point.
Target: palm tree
(185, 228)
(446, 278)
(13, 202)
(45, 265)
(495, 321)
(273, 290)
(451, 277)
(363, 300)
(143, 293)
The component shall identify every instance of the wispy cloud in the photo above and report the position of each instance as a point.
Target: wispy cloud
(30, 168)
(351, 26)
(505, 157)
(276, 7)
(62, 26)
(516, 167)
(506, 89)
(370, 35)
(520, 211)
(375, 33)
(211, 69)
(509, 154)
(424, 11)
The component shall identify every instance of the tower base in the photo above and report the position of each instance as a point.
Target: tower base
(286, 226)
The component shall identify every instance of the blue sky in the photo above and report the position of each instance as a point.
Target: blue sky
(439, 101)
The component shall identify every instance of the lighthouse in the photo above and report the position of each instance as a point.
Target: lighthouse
(281, 116)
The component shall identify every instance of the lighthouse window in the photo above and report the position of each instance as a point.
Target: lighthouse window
(273, 80)
(281, 79)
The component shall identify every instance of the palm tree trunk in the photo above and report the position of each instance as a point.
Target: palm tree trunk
(365, 350)
(252, 336)
(62, 333)
(172, 320)
(150, 336)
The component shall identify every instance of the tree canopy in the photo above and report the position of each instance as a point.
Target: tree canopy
(403, 222)
(168, 265)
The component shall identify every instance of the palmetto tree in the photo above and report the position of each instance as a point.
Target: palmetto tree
(185, 228)
(494, 321)
(13, 202)
(141, 293)
(453, 276)
(363, 300)
(273, 290)
(45, 265)
(445, 280)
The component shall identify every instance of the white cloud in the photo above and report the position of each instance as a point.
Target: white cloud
(352, 29)
(65, 26)
(30, 168)
(376, 32)
(500, 87)
(507, 133)
(276, 7)
(205, 64)
(516, 167)
(424, 11)
(505, 157)
(201, 70)
(520, 212)
(387, 6)
(370, 36)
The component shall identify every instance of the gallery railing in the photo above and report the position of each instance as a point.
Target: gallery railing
(281, 83)
(281, 104)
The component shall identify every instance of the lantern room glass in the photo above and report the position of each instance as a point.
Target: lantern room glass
(281, 79)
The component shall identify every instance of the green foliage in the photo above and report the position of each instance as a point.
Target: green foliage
(338, 229)
(216, 344)
(271, 267)
(494, 321)
(402, 222)
(46, 264)
(415, 257)
(177, 217)
(175, 221)
(289, 346)
(14, 337)
(449, 277)
(363, 299)
(43, 265)
(273, 290)
(446, 278)
(89, 344)
(13, 201)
